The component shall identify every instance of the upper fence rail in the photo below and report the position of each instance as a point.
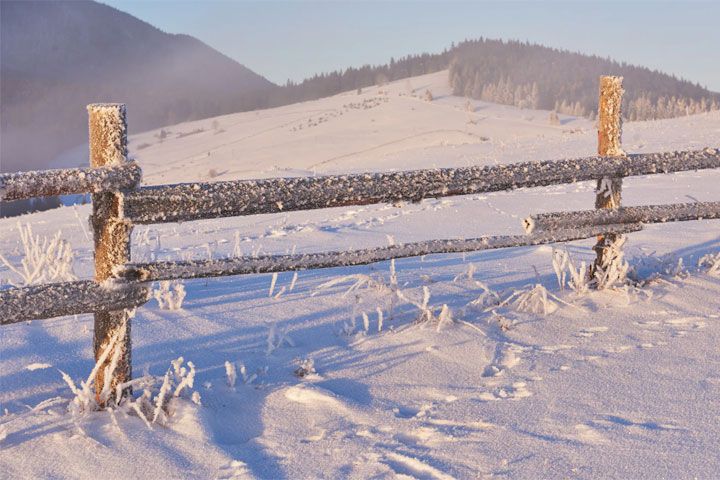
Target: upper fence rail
(43, 183)
(206, 200)
(196, 201)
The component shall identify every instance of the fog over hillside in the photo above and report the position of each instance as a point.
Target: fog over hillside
(58, 57)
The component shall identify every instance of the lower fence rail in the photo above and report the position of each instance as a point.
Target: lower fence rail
(150, 272)
(676, 212)
(39, 302)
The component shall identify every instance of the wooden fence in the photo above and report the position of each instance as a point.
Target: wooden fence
(119, 203)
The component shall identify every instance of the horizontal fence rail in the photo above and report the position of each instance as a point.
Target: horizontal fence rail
(196, 201)
(150, 272)
(16, 186)
(676, 212)
(38, 302)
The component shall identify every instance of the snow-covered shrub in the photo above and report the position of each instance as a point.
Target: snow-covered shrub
(85, 400)
(375, 281)
(531, 299)
(563, 265)
(466, 274)
(44, 260)
(488, 297)
(444, 317)
(554, 120)
(613, 271)
(307, 367)
(713, 261)
(169, 299)
(275, 339)
(248, 379)
(231, 374)
(425, 314)
(650, 268)
(154, 405)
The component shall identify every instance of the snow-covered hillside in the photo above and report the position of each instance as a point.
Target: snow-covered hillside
(608, 384)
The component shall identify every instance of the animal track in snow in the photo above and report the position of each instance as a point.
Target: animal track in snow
(610, 420)
(554, 348)
(516, 392)
(413, 468)
(424, 437)
(234, 469)
(591, 332)
(411, 412)
(586, 434)
(695, 322)
(505, 358)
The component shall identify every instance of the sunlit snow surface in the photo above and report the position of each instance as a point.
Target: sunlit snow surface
(608, 385)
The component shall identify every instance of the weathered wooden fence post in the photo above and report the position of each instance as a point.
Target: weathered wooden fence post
(609, 190)
(108, 146)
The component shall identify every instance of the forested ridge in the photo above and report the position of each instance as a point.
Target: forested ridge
(534, 76)
(521, 74)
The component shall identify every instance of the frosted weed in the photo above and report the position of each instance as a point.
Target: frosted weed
(563, 265)
(276, 338)
(231, 373)
(651, 268)
(169, 299)
(532, 299)
(711, 260)
(154, 405)
(613, 271)
(306, 367)
(487, 298)
(44, 259)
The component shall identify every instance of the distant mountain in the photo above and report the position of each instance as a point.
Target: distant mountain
(56, 57)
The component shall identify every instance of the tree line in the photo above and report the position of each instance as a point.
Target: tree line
(534, 76)
(517, 73)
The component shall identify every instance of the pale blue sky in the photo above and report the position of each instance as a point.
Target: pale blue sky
(297, 39)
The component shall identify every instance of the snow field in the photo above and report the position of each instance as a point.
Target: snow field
(612, 384)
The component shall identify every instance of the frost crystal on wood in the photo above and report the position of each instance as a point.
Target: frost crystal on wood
(678, 212)
(195, 201)
(70, 298)
(14, 186)
(111, 233)
(148, 272)
(108, 133)
(609, 188)
(609, 118)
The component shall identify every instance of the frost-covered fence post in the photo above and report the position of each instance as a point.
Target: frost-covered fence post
(108, 147)
(609, 138)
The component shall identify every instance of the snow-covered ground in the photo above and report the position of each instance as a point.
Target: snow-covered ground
(607, 384)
